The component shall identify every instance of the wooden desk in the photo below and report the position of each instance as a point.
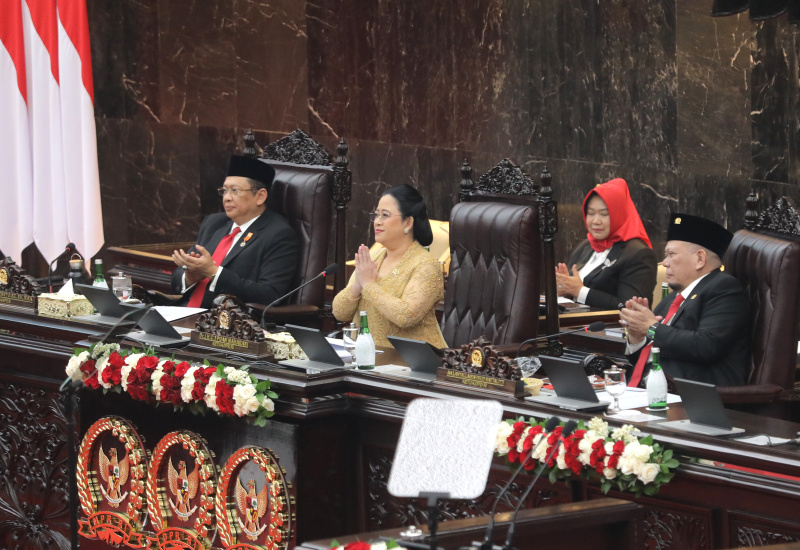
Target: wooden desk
(335, 434)
(607, 523)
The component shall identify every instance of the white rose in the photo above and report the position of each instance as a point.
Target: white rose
(187, 385)
(268, 404)
(648, 472)
(211, 395)
(560, 461)
(378, 546)
(101, 365)
(74, 365)
(501, 443)
(626, 465)
(522, 439)
(643, 452)
(609, 473)
(243, 392)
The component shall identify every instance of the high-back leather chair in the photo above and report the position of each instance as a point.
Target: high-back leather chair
(496, 258)
(765, 258)
(309, 185)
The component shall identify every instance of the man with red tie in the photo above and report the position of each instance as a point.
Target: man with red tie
(248, 250)
(702, 327)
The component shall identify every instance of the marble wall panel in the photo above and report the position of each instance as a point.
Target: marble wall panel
(713, 92)
(691, 111)
(769, 100)
(160, 163)
(197, 62)
(271, 64)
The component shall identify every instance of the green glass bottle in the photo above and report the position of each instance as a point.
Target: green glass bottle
(99, 278)
(365, 346)
(664, 290)
(656, 383)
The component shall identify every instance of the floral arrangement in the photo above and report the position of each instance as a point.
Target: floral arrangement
(146, 377)
(616, 457)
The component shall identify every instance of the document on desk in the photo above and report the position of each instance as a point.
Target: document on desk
(763, 440)
(173, 313)
(634, 398)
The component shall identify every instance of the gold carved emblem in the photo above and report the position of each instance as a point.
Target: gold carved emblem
(115, 475)
(477, 358)
(677, 221)
(184, 488)
(252, 507)
(224, 320)
(4, 277)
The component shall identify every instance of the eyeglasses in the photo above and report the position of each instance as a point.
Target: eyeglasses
(383, 216)
(233, 190)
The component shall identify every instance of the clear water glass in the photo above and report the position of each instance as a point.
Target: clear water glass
(122, 286)
(528, 365)
(349, 337)
(615, 386)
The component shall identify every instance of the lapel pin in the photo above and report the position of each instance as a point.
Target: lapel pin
(693, 296)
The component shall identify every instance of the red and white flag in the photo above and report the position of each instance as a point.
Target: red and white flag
(58, 195)
(84, 217)
(16, 180)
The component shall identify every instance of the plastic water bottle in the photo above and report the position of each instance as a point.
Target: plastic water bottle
(365, 346)
(656, 383)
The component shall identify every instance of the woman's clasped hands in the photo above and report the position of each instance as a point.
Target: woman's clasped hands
(566, 284)
(366, 270)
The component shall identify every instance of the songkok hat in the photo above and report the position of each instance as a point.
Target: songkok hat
(693, 229)
(253, 168)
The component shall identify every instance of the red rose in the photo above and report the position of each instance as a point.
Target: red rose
(619, 447)
(89, 374)
(149, 362)
(224, 394)
(181, 369)
(168, 367)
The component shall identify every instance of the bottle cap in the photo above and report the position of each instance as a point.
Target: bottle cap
(98, 261)
(363, 313)
(656, 350)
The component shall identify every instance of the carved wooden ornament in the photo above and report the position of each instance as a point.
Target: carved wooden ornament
(254, 509)
(228, 320)
(111, 476)
(180, 492)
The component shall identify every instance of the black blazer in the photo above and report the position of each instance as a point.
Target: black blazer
(708, 339)
(629, 270)
(260, 269)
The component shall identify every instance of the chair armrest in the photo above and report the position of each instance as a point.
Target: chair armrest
(761, 393)
(161, 299)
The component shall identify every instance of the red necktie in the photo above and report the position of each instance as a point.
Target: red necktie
(636, 377)
(219, 254)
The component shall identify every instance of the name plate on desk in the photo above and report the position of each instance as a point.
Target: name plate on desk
(479, 365)
(490, 383)
(17, 300)
(227, 343)
(228, 328)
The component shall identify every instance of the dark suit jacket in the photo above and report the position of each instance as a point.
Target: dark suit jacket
(708, 339)
(631, 272)
(260, 269)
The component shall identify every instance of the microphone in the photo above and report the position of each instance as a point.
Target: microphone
(330, 270)
(551, 424)
(569, 427)
(593, 327)
(69, 249)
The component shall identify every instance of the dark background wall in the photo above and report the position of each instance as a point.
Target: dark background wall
(692, 111)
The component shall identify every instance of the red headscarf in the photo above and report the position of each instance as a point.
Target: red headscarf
(624, 219)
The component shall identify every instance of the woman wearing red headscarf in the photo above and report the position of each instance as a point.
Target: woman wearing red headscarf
(616, 262)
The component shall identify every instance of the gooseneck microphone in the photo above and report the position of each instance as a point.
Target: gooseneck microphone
(551, 424)
(593, 327)
(330, 270)
(69, 249)
(569, 427)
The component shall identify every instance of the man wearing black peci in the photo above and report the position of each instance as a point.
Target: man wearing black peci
(248, 250)
(702, 327)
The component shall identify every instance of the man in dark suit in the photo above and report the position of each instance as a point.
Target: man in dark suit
(248, 250)
(702, 327)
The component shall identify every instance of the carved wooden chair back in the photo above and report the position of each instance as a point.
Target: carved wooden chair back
(310, 185)
(765, 257)
(501, 238)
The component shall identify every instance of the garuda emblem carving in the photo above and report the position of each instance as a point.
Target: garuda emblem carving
(115, 475)
(184, 488)
(252, 506)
